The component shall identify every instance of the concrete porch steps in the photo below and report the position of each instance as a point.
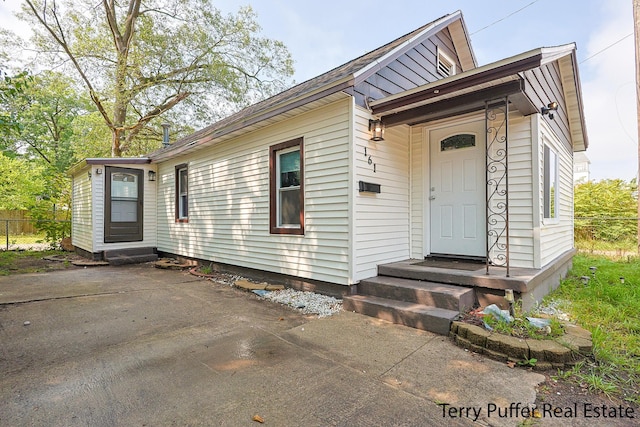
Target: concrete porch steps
(456, 298)
(419, 304)
(130, 256)
(414, 315)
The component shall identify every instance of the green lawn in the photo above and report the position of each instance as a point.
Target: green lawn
(610, 309)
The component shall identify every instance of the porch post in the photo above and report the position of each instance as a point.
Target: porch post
(497, 176)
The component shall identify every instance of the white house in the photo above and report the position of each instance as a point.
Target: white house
(475, 165)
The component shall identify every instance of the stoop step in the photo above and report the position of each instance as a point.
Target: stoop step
(450, 297)
(414, 315)
(130, 256)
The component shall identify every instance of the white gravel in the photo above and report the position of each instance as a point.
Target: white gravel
(306, 302)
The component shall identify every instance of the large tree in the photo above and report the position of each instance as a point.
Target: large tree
(44, 113)
(138, 59)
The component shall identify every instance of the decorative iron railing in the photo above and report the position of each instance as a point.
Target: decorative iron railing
(497, 127)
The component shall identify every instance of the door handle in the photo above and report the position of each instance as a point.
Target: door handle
(432, 197)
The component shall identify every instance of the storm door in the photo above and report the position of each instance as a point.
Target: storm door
(123, 205)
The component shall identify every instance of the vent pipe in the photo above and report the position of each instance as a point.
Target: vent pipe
(165, 135)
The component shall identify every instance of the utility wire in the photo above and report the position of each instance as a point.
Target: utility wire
(610, 46)
(502, 19)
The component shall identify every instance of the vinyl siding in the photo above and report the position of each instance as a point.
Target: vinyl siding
(229, 200)
(149, 218)
(521, 235)
(81, 211)
(556, 236)
(381, 220)
(520, 188)
(414, 68)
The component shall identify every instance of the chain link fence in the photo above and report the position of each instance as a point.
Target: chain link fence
(27, 234)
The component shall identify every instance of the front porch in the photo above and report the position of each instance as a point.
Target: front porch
(430, 296)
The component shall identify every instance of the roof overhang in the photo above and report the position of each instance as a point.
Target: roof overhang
(107, 161)
(468, 91)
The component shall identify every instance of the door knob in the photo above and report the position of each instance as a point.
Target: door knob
(432, 197)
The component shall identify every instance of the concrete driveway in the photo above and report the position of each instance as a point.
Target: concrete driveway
(139, 346)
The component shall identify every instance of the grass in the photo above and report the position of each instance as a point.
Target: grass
(610, 309)
(15, 262)
(520, 327)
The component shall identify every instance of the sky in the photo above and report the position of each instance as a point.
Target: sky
(324, 34)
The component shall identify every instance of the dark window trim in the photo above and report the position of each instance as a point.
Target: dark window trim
(273, 191)
(177, 192)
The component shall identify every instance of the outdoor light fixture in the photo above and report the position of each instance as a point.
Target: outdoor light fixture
(376, 127)
(98, 171)
(549, 109)
(152, 175)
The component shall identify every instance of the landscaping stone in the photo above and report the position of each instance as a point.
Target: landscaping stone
(556, 352)
(563, 352)
(507, 345)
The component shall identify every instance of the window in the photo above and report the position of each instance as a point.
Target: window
(445, 66)
(286, 179)
(456, 142)
(182, 193)
(550, 183)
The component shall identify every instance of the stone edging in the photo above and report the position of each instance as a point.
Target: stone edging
(561, 352)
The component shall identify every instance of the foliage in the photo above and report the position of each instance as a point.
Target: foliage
(51, 211)
(608, 208)
(11, 88)
(609, 309)
(45, 112)
(139, 62)
(520, 327)
(20, 182)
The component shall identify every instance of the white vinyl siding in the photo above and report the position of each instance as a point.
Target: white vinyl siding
(521, 230)
(556, 236)
(381, 220)
(81, 211)
(520, 188)
(87, 220)
(418, 172)
(229, 200)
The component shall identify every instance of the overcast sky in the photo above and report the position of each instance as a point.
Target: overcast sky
(324, 34)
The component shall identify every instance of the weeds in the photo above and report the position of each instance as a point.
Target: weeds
(608, 306)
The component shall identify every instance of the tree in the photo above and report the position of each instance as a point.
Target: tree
(44, 112)
(11, 89)
(20, 182)
(606, 210)
(140, 59)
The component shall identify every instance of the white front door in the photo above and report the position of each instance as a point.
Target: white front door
(457, 190)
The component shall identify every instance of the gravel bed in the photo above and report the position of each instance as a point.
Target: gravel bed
(553, 308)
(306, 302)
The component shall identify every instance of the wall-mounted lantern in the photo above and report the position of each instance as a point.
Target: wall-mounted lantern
(152, 175)
(376, 127)
(549, 109)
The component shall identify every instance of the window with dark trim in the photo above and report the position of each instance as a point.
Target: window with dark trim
(182, 193)
(286, 187)
(550, 183)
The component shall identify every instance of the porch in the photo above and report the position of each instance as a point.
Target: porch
(429, 294)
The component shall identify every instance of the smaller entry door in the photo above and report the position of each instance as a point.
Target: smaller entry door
(123, 205)
(457, 190)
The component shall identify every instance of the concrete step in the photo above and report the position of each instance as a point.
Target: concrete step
(439, 295)
(131, 259)
(417, 316)
(130, 256)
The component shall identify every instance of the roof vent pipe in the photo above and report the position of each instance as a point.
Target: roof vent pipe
(165, 135)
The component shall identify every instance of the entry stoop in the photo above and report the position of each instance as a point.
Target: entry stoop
(419, 304)
(130, 256)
